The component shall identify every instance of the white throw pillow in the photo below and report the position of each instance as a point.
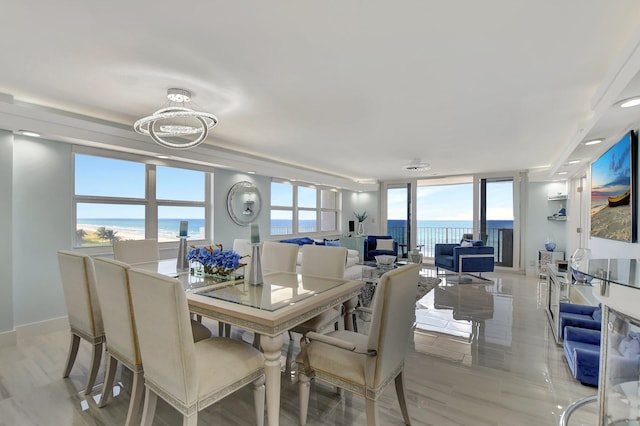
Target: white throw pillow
(466, 244)
(386, 244)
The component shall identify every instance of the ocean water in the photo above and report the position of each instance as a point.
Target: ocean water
(167, 228)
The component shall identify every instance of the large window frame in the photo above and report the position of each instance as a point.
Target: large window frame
(320, 211)
(150, 202)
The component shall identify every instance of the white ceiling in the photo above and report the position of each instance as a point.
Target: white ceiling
(352, 88)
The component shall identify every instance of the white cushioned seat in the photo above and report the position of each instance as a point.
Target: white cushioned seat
(365, 364)
(189, 376)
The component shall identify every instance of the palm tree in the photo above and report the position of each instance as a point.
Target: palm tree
(80, 233)
(107, 234)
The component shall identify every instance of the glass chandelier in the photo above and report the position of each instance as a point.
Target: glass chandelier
(173, 126)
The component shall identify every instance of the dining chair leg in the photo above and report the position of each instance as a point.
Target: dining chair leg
(149, 410)
(71, 357)
(109, 378)
(372, 412)
(137, 391)
(96, 357)
(401, 398)
(303, 392)
(258, 400)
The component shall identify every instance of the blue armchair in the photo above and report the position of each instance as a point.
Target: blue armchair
(582, 351)
(371, 249)
(574, 315)
(477, 258)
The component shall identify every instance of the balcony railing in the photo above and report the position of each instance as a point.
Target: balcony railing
(427, 237)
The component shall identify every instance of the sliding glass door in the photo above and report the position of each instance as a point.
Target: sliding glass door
(399, 216)
(497, 218)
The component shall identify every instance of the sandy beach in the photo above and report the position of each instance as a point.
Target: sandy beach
(611, 222)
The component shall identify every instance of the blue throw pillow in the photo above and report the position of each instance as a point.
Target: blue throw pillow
(300, 241)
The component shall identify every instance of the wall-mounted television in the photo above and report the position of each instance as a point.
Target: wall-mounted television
(613, 191)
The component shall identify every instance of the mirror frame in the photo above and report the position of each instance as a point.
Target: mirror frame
(237, 208)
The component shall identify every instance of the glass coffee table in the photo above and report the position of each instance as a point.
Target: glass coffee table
(371, 273)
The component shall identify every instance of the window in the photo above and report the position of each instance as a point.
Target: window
(298, 208)
(119, 199)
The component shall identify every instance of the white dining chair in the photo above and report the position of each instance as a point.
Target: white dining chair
(136, 251)
(279, 257)
(83, 308)
(323, 261)
(365, 364)
(188, 376)
(112, 283)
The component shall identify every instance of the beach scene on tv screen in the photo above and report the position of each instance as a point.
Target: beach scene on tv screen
(611, 193)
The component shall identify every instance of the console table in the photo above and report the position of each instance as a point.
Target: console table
(558, 288)
(616, 284)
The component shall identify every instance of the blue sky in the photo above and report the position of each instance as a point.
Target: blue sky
(453, 202)
(118, 178)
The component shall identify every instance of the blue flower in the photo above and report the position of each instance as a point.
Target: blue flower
(214, 257)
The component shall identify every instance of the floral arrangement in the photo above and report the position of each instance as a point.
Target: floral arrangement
(361, 216)
(215, 260)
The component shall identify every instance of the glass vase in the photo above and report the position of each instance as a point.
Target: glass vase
(580, 264)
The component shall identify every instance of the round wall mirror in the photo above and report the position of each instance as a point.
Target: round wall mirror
(244, 203)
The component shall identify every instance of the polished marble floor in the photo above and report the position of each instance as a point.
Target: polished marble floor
(482, 354)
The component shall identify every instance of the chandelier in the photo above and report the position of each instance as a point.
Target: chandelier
(177, 122)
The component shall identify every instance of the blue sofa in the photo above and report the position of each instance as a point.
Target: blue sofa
(371, 247)
(574, 315)
(447, 256)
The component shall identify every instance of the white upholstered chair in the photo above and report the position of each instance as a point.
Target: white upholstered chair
(112, 283)
(85, 317)
(280, 257)
(136, 251)
(365, 364)
(323, 261)
(189, 376)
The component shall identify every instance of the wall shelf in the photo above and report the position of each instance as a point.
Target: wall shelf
(557, 197)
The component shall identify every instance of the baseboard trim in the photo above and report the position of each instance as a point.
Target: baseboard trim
(42, 327)
(8, 338)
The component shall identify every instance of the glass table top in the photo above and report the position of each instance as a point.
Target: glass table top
(279, 289)
(617, 271)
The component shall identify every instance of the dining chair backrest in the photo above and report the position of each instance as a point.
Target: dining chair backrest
(164, 335)
(112, 282)
(136, 251)
(392, 317)
(79, 285)
(327, 261)
(281, 257)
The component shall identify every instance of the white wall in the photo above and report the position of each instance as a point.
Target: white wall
(359, 202)
(42, 200)
(538, 227)
(6, 230)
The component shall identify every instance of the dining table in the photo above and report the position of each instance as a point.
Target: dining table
(283, 301)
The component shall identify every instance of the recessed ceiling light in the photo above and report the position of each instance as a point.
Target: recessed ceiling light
(573, 162)
(563, 173)
(29, 133)
(251, 172)
(630, 102)
(293, 180)
(162, 157)
(593, 142)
